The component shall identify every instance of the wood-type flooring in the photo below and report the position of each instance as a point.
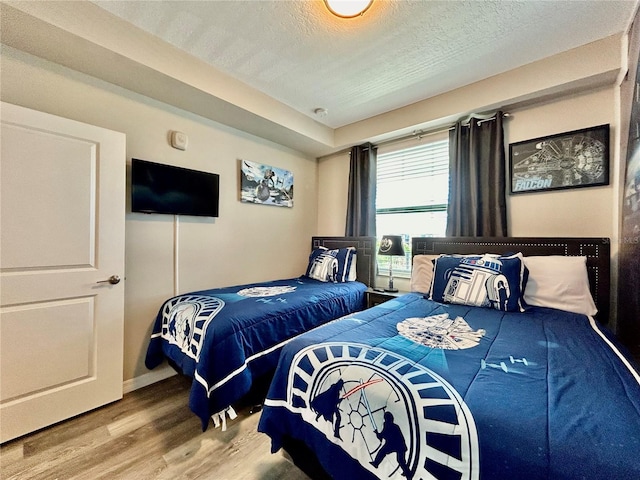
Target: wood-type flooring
(149, 434)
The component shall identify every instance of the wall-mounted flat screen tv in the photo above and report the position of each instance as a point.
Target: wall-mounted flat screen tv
(159, 188)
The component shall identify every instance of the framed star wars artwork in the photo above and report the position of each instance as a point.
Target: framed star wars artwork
(264, 184)
(579, 158)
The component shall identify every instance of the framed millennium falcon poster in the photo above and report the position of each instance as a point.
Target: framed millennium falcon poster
(579, 158)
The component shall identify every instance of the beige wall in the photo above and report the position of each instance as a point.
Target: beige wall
(586, 212)
(244, 244)
(333, 187)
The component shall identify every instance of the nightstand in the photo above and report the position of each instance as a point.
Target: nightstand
(376, 298)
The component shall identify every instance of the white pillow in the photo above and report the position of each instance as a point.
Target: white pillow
(353, 272)
(559, 282)
(422, 273)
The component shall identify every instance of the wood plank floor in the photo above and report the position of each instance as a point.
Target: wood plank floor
(149, 434)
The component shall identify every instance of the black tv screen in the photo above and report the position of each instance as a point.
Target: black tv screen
(159, 188)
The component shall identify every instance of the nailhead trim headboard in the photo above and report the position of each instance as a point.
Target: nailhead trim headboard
(597, 251)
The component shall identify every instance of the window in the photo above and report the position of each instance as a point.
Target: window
(412, 195)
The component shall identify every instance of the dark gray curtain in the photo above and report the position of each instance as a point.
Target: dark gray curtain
(361, 207)
(477, 203)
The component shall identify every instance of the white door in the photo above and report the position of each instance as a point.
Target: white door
(61, 233)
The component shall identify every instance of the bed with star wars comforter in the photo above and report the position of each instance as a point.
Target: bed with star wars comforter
(226, 337)
(422, 390)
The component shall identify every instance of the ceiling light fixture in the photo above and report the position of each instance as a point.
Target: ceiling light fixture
(348, 8)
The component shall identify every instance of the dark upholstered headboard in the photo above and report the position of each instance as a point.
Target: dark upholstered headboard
(366, 250)
(597, 251)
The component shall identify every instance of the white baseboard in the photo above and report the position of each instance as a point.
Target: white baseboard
(148, 378)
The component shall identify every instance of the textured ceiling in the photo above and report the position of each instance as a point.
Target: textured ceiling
(398, 53)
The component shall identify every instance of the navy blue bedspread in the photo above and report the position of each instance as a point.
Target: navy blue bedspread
(224, 338)
(420, 390)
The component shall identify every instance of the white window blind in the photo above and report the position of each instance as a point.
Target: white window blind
(413, 179)
(412, 196)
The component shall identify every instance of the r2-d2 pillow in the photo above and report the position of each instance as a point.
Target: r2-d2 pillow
(331, 265)
(487, 280)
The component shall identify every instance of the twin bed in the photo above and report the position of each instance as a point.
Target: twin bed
(490, 370)
(227, 340)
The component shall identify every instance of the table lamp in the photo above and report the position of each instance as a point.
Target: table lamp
(391, 245)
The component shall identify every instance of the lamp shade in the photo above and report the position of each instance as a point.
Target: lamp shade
(391, 245)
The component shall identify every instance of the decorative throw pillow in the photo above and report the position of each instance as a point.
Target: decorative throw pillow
(331, 265)
(559, 282)
(481, 281)
(422, 273)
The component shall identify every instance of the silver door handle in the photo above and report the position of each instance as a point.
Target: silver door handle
(113, 279)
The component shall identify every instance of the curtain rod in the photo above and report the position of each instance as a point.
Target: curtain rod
(421, 133)
(425, 133)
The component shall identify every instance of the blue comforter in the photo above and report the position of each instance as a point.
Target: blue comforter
(224, 338)
(416, 389)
